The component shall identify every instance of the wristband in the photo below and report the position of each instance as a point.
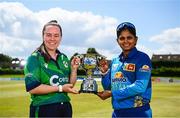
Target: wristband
(60, 88)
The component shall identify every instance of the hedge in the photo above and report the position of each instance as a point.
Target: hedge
(163, 71)
(10, 71)
(166, 72)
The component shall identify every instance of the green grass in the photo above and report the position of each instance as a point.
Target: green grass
(14, 101)
(90, 105)
(12, 76)
(166, 100)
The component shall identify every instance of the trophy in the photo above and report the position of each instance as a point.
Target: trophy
(89, 62)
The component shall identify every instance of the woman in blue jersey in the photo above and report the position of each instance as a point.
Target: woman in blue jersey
(128, 78)
(49, 76)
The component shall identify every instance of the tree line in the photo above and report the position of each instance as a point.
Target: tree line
(159, 68)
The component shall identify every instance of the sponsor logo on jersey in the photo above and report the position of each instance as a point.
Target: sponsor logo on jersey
(129, 67)
(144, 68)
(119, 77)
(55, 80)
(114, 66)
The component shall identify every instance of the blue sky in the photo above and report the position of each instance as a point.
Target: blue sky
(90, 23)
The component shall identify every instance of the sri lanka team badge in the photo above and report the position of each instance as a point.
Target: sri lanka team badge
(129, 67)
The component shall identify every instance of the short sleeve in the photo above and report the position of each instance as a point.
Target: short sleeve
(32, 73)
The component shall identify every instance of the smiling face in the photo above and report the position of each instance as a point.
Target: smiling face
(126, 41)
(52, 37)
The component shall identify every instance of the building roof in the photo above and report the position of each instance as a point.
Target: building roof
(165, 57)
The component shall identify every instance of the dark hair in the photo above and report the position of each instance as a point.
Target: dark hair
(126, 26)
(54, 23)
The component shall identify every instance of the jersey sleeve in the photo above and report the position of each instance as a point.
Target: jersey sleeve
(143, 75)
(32, 73)
(106, 80)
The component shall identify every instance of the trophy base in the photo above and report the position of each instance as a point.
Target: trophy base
(89, 86)
(84, 91)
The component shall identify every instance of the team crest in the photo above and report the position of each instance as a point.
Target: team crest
(46, 65)
(65, 64)
(129, 67)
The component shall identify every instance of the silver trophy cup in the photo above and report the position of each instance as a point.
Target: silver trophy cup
(89, 62)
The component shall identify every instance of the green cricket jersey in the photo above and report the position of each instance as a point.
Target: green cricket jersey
(41, 69)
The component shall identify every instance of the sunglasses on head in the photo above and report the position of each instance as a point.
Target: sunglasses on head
(125, 24)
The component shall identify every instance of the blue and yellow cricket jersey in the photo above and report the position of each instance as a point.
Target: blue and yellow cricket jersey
(129, 79)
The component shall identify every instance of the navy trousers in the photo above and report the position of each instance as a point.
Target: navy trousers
(144, 111)
(63, 109)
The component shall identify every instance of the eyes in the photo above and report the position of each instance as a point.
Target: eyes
(49, 35)
(122, 38)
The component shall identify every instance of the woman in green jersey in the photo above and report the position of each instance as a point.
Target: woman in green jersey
(49, 76)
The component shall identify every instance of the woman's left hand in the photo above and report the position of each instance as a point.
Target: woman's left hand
(75, 63)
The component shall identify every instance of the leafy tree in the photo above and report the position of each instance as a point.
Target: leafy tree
(5, 61)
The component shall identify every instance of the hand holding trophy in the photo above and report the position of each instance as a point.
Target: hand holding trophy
(104, 68)
(75, 62)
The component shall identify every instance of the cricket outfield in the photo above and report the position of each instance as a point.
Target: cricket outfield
(14, 101)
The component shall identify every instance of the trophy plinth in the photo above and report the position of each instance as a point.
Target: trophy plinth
(89, 63)
(89, 85)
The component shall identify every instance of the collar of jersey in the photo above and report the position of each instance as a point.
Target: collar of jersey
(42, 50)
(131, 54)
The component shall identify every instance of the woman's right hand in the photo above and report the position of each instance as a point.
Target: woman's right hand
(69, 89)
(103, 65)
(104, 94)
